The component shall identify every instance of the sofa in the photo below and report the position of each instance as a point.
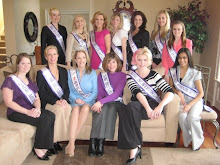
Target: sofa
(16, 139)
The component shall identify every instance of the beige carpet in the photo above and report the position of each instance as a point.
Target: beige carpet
(150, 156)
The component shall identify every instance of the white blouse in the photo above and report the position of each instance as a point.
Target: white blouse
(119, 35)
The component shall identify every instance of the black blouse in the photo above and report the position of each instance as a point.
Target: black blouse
(48, 38)
(45, 92)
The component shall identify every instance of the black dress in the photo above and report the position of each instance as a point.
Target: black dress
(48, 38)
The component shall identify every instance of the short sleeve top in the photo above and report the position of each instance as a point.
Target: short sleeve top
(119, 35)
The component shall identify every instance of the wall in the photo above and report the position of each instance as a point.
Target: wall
(1, 19)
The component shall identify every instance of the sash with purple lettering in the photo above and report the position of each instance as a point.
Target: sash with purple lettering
(117, 51)
(52, 82)
(81, 42)
(171, 52)
(133, 46)
(159, 43)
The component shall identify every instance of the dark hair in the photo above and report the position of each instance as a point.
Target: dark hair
(188, 53)
(109, 57)
(143, 26)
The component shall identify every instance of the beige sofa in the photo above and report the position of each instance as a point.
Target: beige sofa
(16, 139)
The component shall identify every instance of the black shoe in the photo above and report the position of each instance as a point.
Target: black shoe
(53, 151)
(100, 147)
(133, 160)
(45, 157)
(58, 147)
(92, 147)
(48, 153)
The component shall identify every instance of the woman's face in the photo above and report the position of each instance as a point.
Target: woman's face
(142, 62)
(162, 20)
(24, 65)
(116, 22)
(138, 21)
(112, 65)
(99, 21)
(177, 30)
(183, 59)
(81, 59)
(79, 23)
(55, 16)
(52, 56)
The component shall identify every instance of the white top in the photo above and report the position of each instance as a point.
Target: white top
(119, 35)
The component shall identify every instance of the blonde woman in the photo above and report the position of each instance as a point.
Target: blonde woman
(78, 39)
(54, 34)
(119, 38)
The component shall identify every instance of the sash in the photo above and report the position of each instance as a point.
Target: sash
(81, 42)
(58, 36)
(184, 89)
(172, 53)
(117, 51)
(145, 86)
(159, 43)
(28, 93)
(108, 87)
(133, 46)
(52, 82)
(76, 84)
(100, 53)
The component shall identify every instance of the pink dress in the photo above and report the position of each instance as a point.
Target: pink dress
(167, 62)
(100, 41)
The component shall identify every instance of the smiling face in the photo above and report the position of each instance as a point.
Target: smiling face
(52, 56)
(81, 59)
(162, 20)
(55, 16)
(79, 23)
(138, 21)
(183, 59)
(112, 65)
(24, 65)
(142, 62)
(99, 21)
(116, 22)
(177, 30)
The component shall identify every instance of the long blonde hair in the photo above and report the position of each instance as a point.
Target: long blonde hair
(110, 27)
(74, 26)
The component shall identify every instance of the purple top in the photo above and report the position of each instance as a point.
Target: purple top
(117, 80)
(18, 96)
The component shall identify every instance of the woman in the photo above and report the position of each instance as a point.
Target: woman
(82, 82)
(54, 34)
(100, 40)
(54, 94)
(186, 83)
(177, 40)
(159, 35)
(23, 102)
(138, 37)
(109, 101)
(119, 39)
(77, 39)
(145, 103)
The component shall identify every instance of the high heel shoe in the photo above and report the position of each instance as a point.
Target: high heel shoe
(69, 154)
(45, 157)
(133, 160)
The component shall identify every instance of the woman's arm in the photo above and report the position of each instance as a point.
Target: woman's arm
(43, 44)
(69, 48)
(108, 43)
(124, 53)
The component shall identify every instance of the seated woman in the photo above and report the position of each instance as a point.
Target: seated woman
(109, 101)
(54, 94)
(186, 82)
(23, 102)
(82, 82)
(145, 103)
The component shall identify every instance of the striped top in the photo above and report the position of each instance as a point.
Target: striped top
(154, 79)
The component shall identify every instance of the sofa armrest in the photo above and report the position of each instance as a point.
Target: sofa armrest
(171, 113)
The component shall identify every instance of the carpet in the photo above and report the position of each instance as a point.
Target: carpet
(150, 156)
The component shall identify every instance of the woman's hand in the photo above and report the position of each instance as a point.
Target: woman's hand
(186, 108)
(97, 107)
(63, 103)
(182, 100)
(79, 101)
(157, 112)
(35, 113)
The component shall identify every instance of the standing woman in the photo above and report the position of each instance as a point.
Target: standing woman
(54, 94)
(78, 39)
(138, 37)
(159, 35)
(177, 40)
(186, 83)
(54, 34)
(23, 102)
(145, 103)
(100, 40)
(119, 38)
(82, 82)
(109, 101)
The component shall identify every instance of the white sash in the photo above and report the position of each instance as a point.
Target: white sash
(159, 43)
(100, 53)
(145, 86)
(117, 51)
(171, 52)
(76, 84)
(184, 89)
(108, 87)
(81, 42)
(52, 82)
(28, 93)
(58, 36)
(133, 46)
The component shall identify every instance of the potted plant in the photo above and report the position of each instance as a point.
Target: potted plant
(195, 21)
